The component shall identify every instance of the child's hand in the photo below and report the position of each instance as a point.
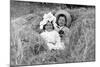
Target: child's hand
(61, 32)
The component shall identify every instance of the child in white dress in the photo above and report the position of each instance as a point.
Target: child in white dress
(51, 36)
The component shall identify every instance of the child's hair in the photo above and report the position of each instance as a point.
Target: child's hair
(46, 24)
(61, 15)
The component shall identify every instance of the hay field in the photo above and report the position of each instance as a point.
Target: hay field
(28, 48)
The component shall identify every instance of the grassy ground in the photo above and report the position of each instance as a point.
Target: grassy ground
(28, 48)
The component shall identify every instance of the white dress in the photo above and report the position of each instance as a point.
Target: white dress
(53, 40)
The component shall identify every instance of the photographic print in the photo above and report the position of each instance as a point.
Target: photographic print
(44, 33)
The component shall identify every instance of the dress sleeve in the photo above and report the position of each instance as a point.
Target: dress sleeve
(67, 32)
(67, 36)
(42, 35)
(58, 44)
(57, 37)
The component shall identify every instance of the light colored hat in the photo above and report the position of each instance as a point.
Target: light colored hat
(46, 18)
(64, 13)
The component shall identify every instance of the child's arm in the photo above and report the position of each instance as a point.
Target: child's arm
(59, 44)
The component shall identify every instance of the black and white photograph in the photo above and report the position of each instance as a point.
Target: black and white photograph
(43, 33)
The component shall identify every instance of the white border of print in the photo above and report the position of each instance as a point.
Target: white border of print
(5, 33)
(83, 2)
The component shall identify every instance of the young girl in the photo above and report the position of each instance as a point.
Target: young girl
(50, 36)
(63, 20)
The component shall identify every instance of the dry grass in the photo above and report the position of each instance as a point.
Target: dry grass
(28, 48)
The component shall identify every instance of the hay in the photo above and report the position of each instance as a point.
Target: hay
(28, 48)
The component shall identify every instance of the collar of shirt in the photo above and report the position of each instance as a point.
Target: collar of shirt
(61, 27)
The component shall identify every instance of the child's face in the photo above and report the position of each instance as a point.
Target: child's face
(49, 26)
(61, 21)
